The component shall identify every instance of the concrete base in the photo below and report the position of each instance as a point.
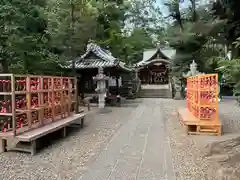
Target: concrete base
(156, 91)
(178, 96)
(196, 126)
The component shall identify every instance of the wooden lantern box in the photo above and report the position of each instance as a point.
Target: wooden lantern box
(201, 114)
(30, 102)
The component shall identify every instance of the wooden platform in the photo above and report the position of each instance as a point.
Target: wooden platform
(195, 126)
(27, 140)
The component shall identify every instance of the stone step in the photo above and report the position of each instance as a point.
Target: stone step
(167, 97)
(155, 93)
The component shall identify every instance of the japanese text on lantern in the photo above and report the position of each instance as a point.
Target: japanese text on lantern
(202, 96)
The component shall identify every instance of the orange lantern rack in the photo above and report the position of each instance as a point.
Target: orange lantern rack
(202, 96)
(201, 115)
(28, 102)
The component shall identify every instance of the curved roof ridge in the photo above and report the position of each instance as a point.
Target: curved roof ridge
(166, 52)
(151, 49)
(98, 51)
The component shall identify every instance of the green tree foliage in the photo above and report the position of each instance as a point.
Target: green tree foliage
(231, 70)
(36, 36)
(145, 15)
(135, 44)
(24, 41)
(230, 33)
(205, 32)
(70, 25)
(196, 34)
(126, 28)
(110, 22)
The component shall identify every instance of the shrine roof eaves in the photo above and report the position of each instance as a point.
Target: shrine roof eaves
(95, 64)
(98, 51)
(103, 59)
(154, 61)
(167, 53)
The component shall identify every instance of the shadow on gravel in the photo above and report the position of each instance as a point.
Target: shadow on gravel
(55, 138)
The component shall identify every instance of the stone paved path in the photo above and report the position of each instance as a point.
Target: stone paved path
(138, 151)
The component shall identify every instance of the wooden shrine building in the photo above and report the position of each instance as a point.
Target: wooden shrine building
(87, 66)
(155, 66)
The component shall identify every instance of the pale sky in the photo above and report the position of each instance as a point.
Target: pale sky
(184, 4)
(160, 3)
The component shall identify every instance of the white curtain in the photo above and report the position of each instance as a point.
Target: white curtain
(112, 81)
(120, 82)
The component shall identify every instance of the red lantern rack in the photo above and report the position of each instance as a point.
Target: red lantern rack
(202, 96)
(28, 102)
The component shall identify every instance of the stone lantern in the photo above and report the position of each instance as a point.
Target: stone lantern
(101, 89)
(193, 70)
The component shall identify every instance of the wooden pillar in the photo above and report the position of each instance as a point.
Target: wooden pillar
(117, 85)
(76, 95)
(33, 147)
(13, 104)
(3, 144)
(64, 132)
(28, 98)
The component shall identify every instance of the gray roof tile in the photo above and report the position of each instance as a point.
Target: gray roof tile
(148, 54)
(103, 58)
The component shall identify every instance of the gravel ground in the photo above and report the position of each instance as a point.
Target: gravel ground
(61, 160)
(189, 152)
(230, 116)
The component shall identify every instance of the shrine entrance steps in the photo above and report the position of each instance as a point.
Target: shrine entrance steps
(155, 91)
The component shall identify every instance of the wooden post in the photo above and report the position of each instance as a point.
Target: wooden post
(3, 144)
(13, 104)
(64, 132)
(69, 96)
(28, 99)
(76, 95)
(33, 147)
(53, 98)
(199, 94)
(40, 102)
(61, 99)
(49, 90)
(216, 95)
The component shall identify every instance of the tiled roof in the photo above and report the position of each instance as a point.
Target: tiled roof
(169, 53)
(98, 51)
(103, 58)
(95, 63)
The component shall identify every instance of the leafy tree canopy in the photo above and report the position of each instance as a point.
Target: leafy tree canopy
(38, 35)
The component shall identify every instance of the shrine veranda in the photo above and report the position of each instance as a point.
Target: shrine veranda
(33, 106)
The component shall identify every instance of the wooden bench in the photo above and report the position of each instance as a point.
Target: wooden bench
(195, 126)
(31, 136)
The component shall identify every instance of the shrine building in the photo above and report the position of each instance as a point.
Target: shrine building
(155, 65)
(87, 67)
